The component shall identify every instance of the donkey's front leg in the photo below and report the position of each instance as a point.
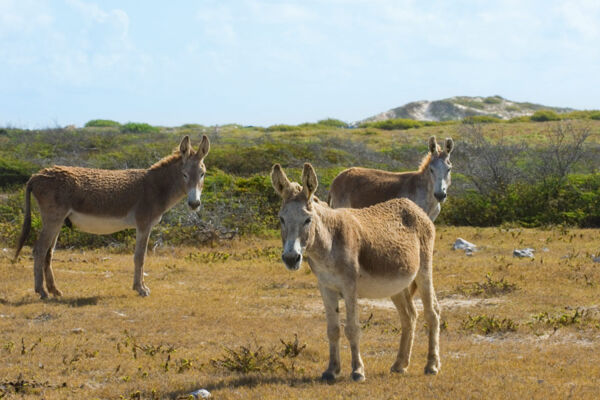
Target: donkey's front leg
(332, 311)
(141, 243)
(352, 331)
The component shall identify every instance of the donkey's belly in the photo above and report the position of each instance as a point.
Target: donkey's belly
(101, 225)
(377, 287)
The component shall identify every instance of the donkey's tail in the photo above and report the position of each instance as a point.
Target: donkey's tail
(26, 221)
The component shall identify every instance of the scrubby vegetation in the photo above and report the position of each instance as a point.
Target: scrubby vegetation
(524, 173)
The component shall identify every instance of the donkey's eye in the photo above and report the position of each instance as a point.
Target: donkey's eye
(307, 221)
(281, 220)
(185, 176)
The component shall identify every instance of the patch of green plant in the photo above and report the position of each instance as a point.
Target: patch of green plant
(139, 127)
(291, 349)
(14, 172)
(488, 288)
(246, 360)
(493, 100)
(467, 102)
(394, 123)
(101, 123)
(545, 115)
(579, 318)
(282, 128)
(488, 325)
(481, 119)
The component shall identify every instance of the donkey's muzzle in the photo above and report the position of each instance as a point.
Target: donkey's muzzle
(194, 205)
(440, 196)
(292, 260)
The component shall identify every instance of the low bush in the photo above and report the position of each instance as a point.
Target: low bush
(392, 124)
(101, 123)
(572, 201)
(139, 127)
(14, 172)
(545, 115)
(481, 119)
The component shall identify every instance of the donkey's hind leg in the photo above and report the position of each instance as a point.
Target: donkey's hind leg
(48, 273)
(432, 316)
(408, 317)
(42, 253)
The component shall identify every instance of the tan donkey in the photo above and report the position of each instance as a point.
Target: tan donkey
(371, 252)
(106, 201)
(363, 187)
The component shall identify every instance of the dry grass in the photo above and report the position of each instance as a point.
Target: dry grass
(103, 341)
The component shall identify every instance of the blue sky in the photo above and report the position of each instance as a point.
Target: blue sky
(259, 62)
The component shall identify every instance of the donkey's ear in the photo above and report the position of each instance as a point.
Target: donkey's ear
(309, 181)
(204, 148)
(449, 145)
(433, 145)
(184, 146)
(279, 179)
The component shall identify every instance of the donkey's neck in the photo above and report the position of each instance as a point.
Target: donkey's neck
(324, 223)
(165, 180)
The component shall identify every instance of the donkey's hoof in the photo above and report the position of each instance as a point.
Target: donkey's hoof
(56, 292)
(328, 377)
(398, 369)
(142, 290)
(431, 370)
(43, 294)
(358, 377)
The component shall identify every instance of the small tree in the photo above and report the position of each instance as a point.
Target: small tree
(563, 150)
(491, 167)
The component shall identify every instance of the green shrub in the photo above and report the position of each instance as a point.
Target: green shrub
(489, 324)
(574, 201)
(282, 128)
(595, 115)
(522, 118)
(14, 172)
(493, 100)
(545, 115)
(481, 119)
(101, 123)
(139, 127)
(396, 123)
(334, 123)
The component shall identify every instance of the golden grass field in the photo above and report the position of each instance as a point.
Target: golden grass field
(101, 340)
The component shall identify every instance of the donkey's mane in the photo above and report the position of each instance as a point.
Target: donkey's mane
(172, 158)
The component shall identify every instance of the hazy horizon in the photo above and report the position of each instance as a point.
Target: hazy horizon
(259, 62)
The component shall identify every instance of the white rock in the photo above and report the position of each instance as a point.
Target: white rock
(77, 330)
(462, 244)
(201, 394)
(522, 253)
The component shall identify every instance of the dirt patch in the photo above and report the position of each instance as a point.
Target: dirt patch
(447, 303)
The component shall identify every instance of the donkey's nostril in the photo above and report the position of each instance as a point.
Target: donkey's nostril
(194, 204)
(298, 258)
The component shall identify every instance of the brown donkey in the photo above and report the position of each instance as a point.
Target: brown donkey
(371, 252)
(363, 187)
(106, 201)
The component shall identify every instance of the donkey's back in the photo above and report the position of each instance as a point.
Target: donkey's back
(359, 187)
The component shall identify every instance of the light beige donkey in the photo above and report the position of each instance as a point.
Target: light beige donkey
(371, 252)
(106, 201)
(363, 187)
